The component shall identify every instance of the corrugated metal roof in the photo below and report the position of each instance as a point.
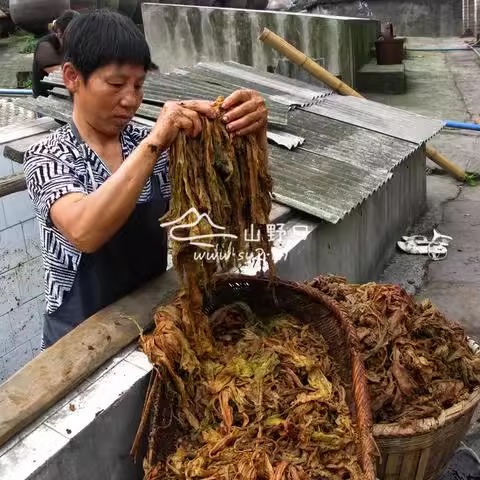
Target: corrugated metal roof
(338, 151)
(59, 106)
(336, 168)
(285, 139)
(379, 118)
(209, 80)
(237, 75)
(160, 88)
(320, 186)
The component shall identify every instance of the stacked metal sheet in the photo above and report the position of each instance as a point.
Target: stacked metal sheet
(329, 153)
(378, 117)
(209, 80)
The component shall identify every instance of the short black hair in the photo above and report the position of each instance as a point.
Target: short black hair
(102, 37)
(62, 22)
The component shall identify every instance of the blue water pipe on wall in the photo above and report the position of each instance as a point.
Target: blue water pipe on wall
(462, 125)
(439, 49)
(15, 92)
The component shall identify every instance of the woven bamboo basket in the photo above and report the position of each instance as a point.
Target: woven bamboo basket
(423, 450)
(307, 305)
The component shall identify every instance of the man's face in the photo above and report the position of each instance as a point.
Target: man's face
(59, 35)
(110, 97)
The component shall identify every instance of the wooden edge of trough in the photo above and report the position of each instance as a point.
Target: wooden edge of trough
(54, 373)
(12, 184)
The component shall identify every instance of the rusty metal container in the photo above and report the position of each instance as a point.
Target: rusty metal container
(35, 15)
(389, 50)
(127, 7)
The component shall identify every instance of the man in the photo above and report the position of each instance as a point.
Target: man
(48, 53)
(100, 185)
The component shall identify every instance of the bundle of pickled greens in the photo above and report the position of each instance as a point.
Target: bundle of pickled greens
(234, 396)
(265, 403)
(418, 363)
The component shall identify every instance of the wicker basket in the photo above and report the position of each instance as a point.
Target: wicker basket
(308, 305)
(423, 450)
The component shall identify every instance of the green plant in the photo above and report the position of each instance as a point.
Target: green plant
(472, 178)
(29, 44)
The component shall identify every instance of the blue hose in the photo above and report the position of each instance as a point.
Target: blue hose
(15, 92)
(446, 49)
(465, 126)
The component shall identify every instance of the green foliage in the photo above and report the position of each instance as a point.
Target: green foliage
(28, 44)
(472, 178)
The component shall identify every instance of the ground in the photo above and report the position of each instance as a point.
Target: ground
(445, 85)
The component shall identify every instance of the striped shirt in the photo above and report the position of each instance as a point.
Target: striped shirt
(59, 165)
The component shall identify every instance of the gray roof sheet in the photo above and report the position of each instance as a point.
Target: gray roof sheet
(209, 80)
(336, 168)
(378, 117)
(338, 150)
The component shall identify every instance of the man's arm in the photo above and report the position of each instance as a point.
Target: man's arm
(87, 220)
(47, 56)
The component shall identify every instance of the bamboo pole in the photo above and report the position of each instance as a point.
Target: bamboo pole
(299, 58)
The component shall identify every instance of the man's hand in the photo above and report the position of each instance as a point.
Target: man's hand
(176, 116)
(245, 113)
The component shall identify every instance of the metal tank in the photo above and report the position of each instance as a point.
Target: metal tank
(127, 7)
(35, 15)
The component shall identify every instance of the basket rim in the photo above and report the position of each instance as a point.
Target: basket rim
(430, 424)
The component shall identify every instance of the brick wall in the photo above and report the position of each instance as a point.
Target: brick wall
(21, 279)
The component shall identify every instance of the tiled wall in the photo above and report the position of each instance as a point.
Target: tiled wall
(21, 279)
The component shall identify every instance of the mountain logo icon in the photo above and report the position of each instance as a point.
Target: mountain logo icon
(194, 239)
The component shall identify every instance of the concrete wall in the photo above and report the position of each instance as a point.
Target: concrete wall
(184, 35)
(21, 278)
(471, 16)
(422, 18)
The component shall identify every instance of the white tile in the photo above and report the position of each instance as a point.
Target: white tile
(82, 410)
(6, 167)
(36, 343)
(30, 279)
(41, 305)
(3, 220)
(43, 418)
(3, 377)
(17, 167)
(23, 459)
(12, 248)
(17, 358)
(31, 234)
(7, 340)
(138, 358)
(18, 208)
(109, 364)
(25, 322)
(9, 292)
